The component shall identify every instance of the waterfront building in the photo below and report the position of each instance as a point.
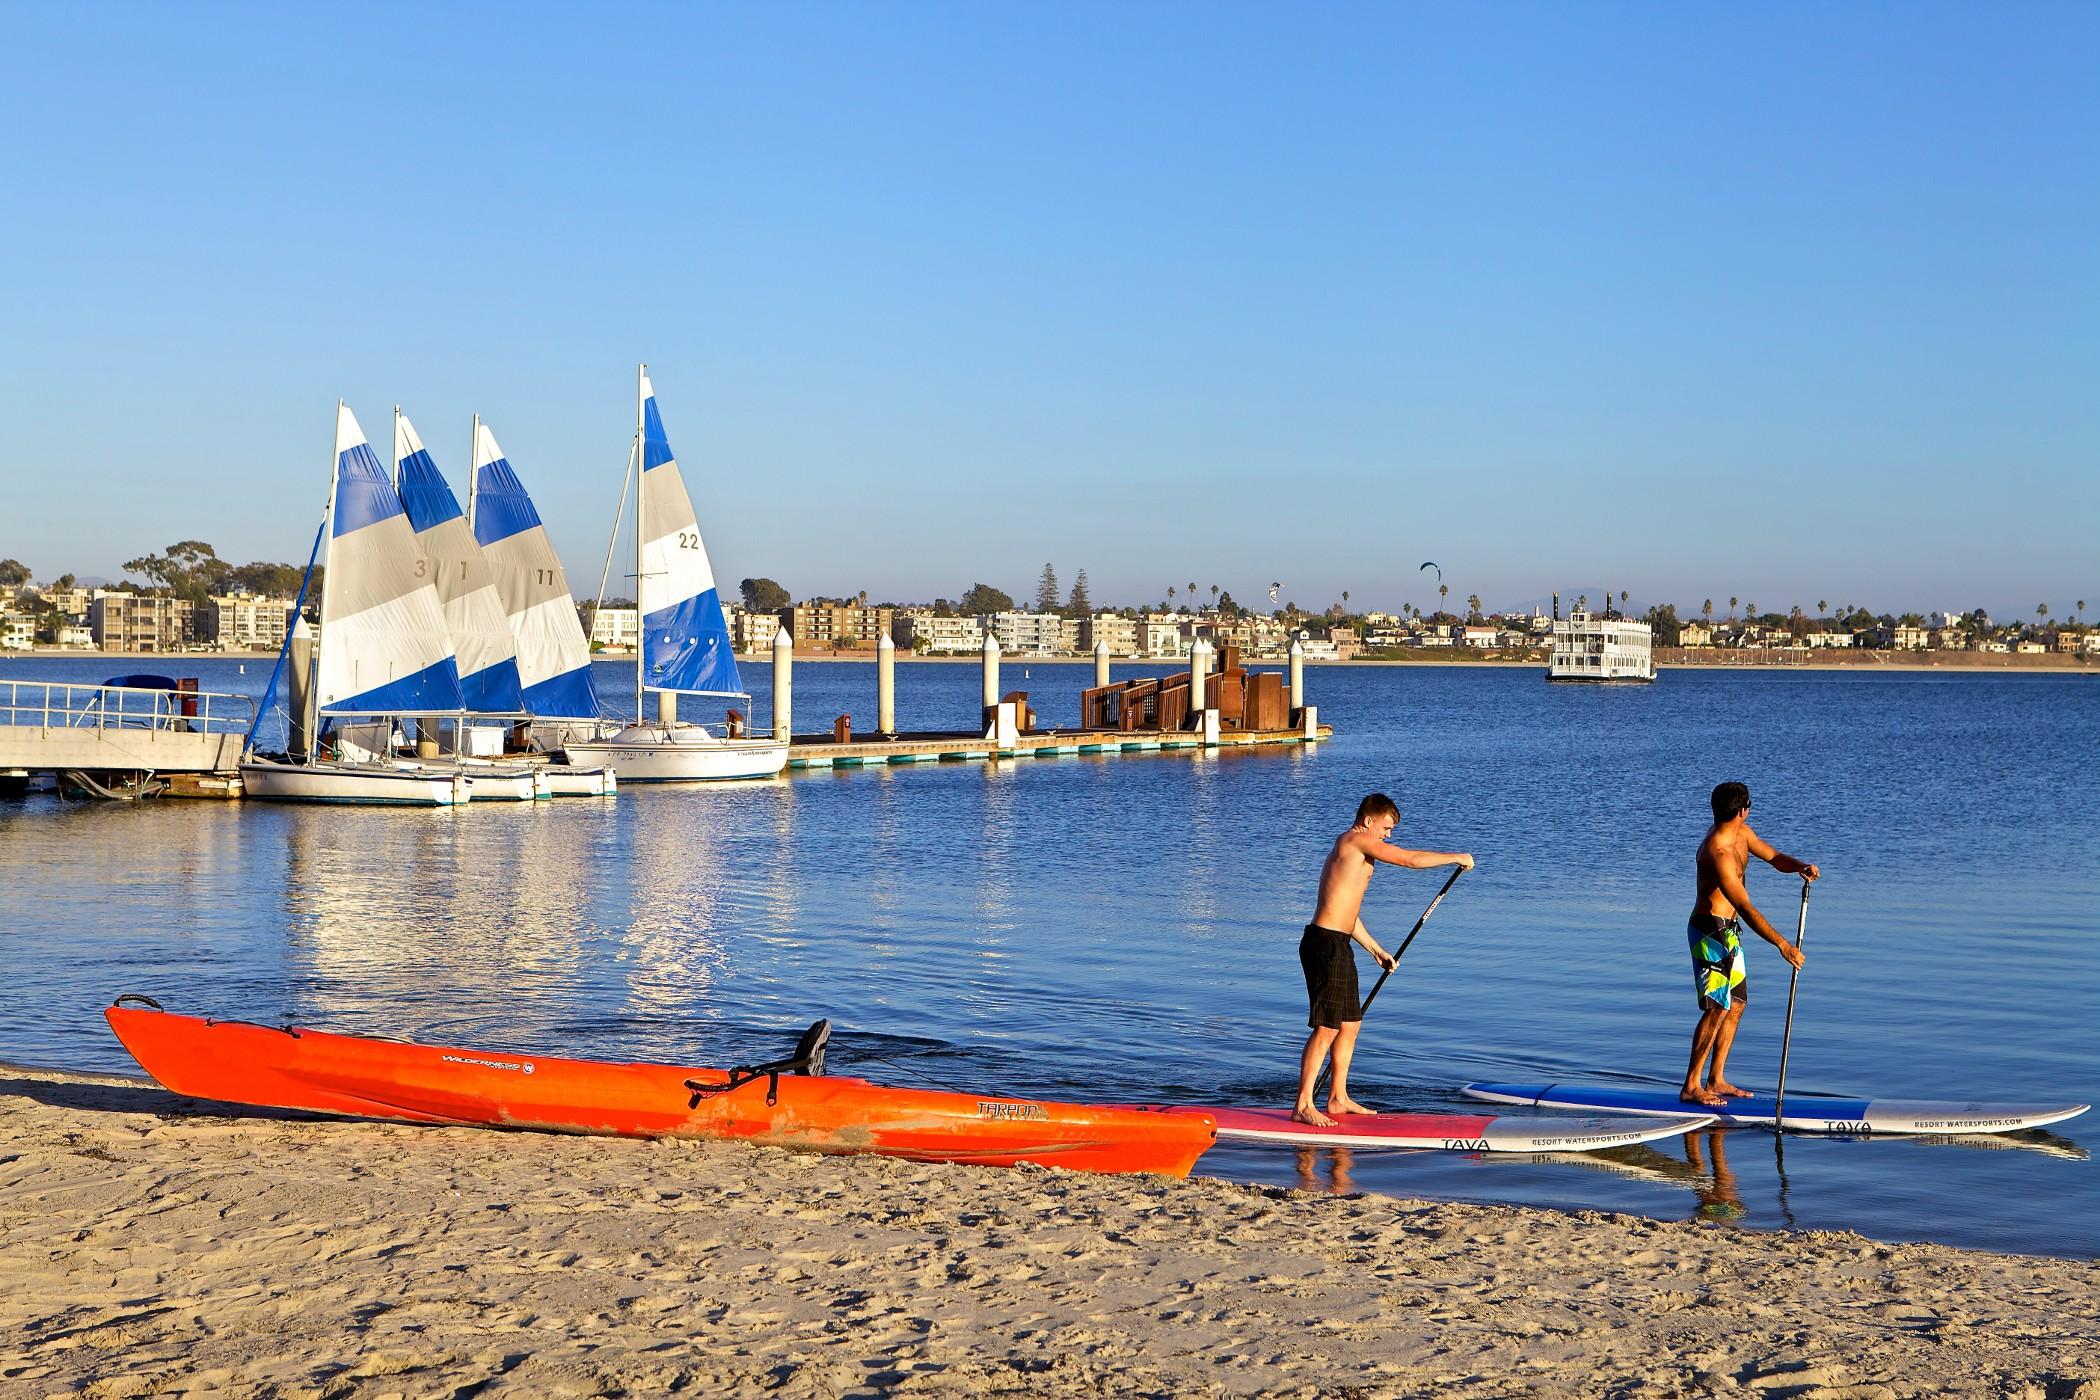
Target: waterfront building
(1161, 634)
(1027, 633)
(752, 632)
(821, 624)
(618, 629)
(1909, 638)
(73, 602)
(1698, 634)
(1483, 637)
(140, 621)
(923, 630)
(1591, 648)
(74, 636)
(1120, 632)
(1828, 639)
(17, 631)
(244, 622)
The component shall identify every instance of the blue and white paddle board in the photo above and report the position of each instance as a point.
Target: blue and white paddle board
(1807, 1113)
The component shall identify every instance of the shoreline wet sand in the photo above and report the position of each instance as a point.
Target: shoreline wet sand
(157, 1245)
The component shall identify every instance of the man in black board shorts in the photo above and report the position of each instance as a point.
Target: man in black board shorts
(1718, 974)
(1329, 960)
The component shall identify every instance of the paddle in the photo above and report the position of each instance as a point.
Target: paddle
(1455, 873)
(1786, 1039)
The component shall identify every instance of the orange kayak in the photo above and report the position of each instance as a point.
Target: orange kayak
(788, 1103)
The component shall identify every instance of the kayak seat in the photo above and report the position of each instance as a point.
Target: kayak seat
(808, 1059)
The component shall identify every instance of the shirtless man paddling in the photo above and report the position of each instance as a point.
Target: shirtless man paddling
(1330, 963)
(1714, 934)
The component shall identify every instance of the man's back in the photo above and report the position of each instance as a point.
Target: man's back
(1725, 849)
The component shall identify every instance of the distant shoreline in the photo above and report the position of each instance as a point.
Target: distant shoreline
(1861, 661)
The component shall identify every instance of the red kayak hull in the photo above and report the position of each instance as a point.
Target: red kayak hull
(241, 1062)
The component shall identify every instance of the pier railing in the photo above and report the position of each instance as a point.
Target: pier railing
(64, 705)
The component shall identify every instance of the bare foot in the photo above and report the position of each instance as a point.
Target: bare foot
(1729, 1091)
(1348, 1106)
(1311, 1117)
(1705, 1098)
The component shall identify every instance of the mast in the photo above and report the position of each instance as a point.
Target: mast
(641, 373)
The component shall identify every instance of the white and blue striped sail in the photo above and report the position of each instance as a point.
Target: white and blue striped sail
(474, 615)
(685, 636)
(554, 661)
(385, 649)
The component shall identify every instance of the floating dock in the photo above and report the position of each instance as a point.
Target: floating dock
(822, 751)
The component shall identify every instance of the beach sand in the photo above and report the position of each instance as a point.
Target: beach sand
(153, 1245)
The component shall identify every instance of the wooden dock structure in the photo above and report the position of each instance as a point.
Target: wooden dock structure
(807, 751)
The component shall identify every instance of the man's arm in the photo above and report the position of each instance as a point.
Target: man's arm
(1371, 945)
(1779, 860)
(1390, 854)
(1732, 888)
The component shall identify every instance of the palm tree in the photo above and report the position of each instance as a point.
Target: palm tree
(1822, 608)
(1622, 602)
(2081, 612)
(1214, 597)
(1708, 608)
(1473, 608)
(1443, 590)
(1731, 607)
(1170, 603)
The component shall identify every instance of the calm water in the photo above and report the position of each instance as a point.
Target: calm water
(1125, 928)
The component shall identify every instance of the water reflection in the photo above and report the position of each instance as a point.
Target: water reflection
(1720, 1197)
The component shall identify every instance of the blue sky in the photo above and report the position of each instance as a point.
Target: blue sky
(1782, 301)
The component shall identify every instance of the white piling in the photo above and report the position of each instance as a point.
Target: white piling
(991, 670)
(886, 684)
(1101, 663)
(1199, 670)
(300, 691)
(783, 685)
(1297, 675)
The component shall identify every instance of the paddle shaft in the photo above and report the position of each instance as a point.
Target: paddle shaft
(1786, 1039)
(1455, 873)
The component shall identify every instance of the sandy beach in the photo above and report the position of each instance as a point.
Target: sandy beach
(153, 1245)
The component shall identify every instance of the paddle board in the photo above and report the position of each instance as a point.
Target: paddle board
(1454, 1132)
(1808, 1113)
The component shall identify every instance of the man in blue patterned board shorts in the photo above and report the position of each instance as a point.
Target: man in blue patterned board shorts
(1715, 934)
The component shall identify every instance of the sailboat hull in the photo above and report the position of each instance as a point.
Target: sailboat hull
(573, 780)
(351, 783)
(687, 754)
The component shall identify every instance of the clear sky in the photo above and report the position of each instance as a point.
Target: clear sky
(1791, 302)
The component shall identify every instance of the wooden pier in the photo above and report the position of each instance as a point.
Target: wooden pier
(823, 751)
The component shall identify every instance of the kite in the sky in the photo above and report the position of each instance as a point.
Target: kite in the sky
(1439, 571)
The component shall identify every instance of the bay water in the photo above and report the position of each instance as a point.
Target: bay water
(1125, 928)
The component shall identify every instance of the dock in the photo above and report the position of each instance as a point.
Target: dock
(807, 751)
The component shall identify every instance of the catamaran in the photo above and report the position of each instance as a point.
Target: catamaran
(685, 647)
(553, 661)
(384, 649)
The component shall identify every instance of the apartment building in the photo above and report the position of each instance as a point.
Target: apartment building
(244, 622)
(1028, 634)
(140, 621)
(836, 624)
(753, 632)
(921, 630)
(1121, 634)
(617, 628)
(17, 631)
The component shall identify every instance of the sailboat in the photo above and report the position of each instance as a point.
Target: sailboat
(474, 620)
(553, 660)
(384, 649)
(685, 647)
